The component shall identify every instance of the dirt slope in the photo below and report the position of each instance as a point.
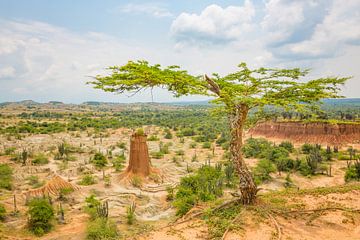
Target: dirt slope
(324, 133)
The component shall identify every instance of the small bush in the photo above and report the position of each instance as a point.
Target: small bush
(34, 181)
(287, 145)
(2, 212)
(153, 138)
(40, 159)
(5, 176)
(119, 162)
(206, 145)
(40, 215)
(255, 147)
(99, 160)
(136, 181)
(91, 206)
(157, 155)
(87, 179)
(130, 213)
(100, 229)
(205, 185)
(353, 172)
(262, 171)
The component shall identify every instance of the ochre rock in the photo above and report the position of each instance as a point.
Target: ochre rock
(309, 132)
(139, 162)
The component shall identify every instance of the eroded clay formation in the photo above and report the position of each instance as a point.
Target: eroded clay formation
(324, 133)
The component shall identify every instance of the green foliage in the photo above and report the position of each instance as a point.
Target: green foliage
(2, 212)
(136, 181)
(34, 181)
(130, 213)
(87, 180)
(91, 206)
(5, 176)
(230, 174)
(255, 147)
(40, 159)
(287, 145)
(170, 193)
(353, 172)
(307, 148)
(10, 150)
(153, 138)
(99, 160)
(140, 132)
(119, 162)
(168, 134)
(206, 145)
(101, 229)
(40, 215)
(205, 185)
(262, 171)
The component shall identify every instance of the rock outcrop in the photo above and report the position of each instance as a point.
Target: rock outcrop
(312, 132)
(139, 162)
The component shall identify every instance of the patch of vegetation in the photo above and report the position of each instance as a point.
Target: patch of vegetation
(136, 181)
(87, 180)
(205, 185)
(119, 162)
(102, 228)
(40, 159)
(40, 215)
(262, 171)
(99, 160)
(130, 213)
(353, 172)
(5, 176)
(34, 181)
(2, 212)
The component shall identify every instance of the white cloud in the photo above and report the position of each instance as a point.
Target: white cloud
(214, 24)
(7, 72)
(148, 8)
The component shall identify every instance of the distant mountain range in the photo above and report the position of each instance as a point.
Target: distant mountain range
(331, 102)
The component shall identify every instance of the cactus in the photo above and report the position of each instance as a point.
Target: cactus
(103, 210)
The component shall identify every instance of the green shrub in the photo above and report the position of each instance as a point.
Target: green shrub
(353, 172)
(262, 171)
(136, 181)
(287, 145)
(10, 150)
(40, 215)
(206, 145)
(205, 185)
(140, 132)
(192, 145)
(34, 181)
(99, 160)
(5, 176)
(306, 148)
(101, 229)
(256, 147)
(168, 134)
(153, 138)
(275, 153)
(2, 212)
(157, 155)
(130, 213)
(40, 159)
(91, 206)
(119, 162)
(87, 179)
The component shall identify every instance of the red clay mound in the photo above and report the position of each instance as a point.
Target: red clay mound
(324, 133)
(52, 187)
(139, 162)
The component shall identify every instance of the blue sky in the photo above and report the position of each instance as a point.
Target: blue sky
(49, 48)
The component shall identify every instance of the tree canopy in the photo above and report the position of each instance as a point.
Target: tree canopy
(251, 87)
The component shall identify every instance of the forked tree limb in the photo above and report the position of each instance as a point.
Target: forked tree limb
(213, 87)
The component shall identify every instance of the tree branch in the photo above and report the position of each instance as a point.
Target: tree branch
(213, 87)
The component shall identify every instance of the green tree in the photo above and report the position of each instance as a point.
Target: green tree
(237, 93)
(40, 215)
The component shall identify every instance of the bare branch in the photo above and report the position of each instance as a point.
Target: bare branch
(213, 87)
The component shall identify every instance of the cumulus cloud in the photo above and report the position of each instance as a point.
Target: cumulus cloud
(7, 72)
(214, 24)
(318, 29)
(146, 8)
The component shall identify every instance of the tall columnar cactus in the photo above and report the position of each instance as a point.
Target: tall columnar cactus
(103, 209)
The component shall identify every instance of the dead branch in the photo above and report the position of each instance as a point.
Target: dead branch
(278, 228)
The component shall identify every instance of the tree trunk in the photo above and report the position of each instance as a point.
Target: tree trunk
(247, 186)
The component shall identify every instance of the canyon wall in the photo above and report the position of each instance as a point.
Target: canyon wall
(324, 133)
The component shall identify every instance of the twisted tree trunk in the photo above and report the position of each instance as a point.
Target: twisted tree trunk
(247, 186)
